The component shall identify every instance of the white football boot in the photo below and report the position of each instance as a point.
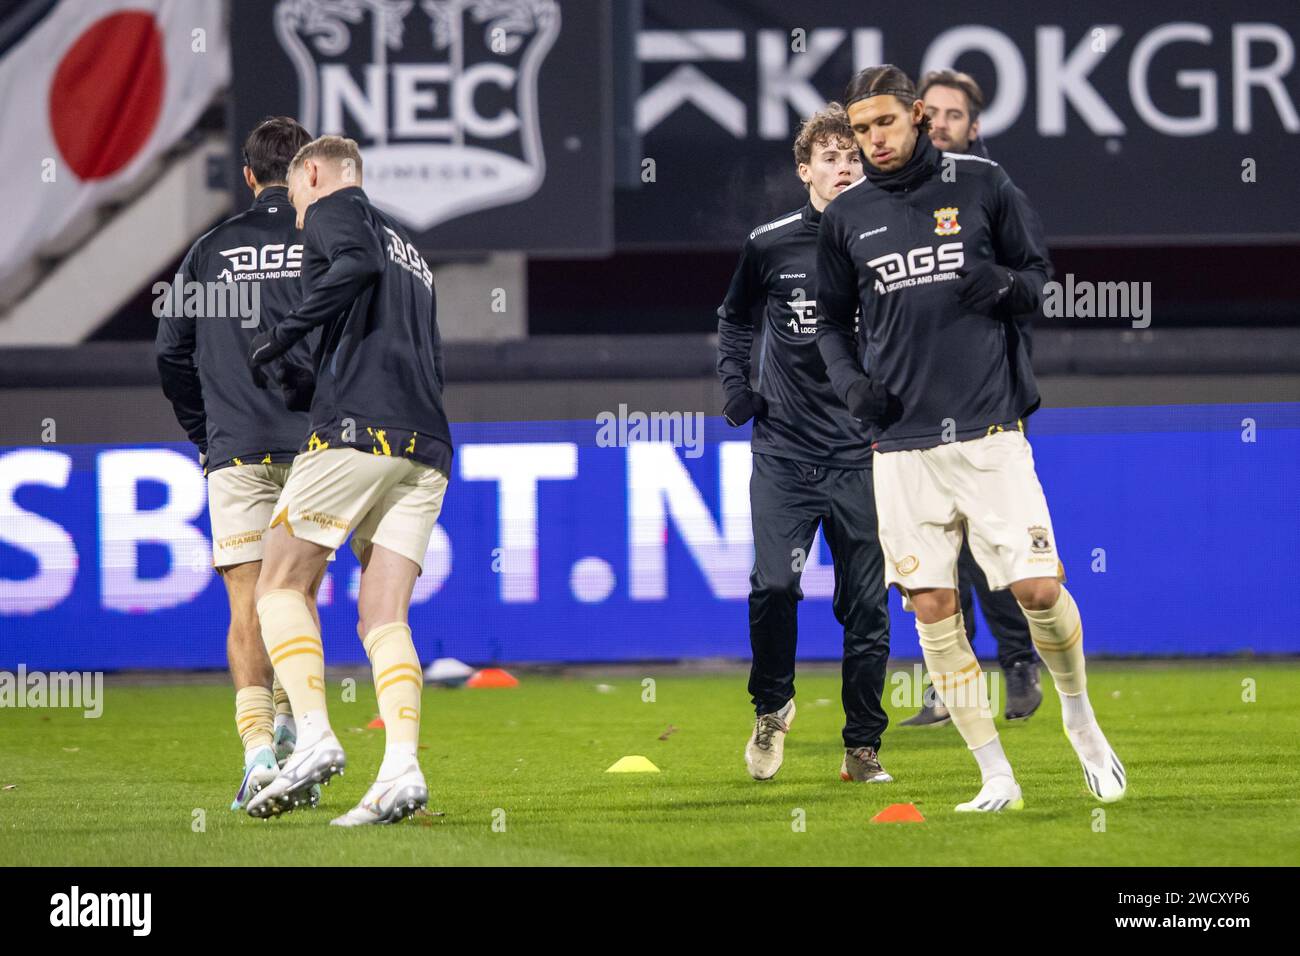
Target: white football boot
(766, 747)
(1104, 774)
(388, 801)
(259, 769)
(293, 787)
(998, 793)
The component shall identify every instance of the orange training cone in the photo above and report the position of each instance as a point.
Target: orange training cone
(899, 813)
(376, 724)
(492, 677)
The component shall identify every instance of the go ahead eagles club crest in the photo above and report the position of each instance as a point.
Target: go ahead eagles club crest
(945, 221)
(441, 95)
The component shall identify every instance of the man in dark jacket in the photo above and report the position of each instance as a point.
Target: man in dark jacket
(245, 434)
(953, 102)
(811, 467)
(374, 466)
(938, 267)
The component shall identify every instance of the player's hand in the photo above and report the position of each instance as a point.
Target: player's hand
(982, 288)
(873, 404)
(748, 404)
(298, 385)
(264, 348)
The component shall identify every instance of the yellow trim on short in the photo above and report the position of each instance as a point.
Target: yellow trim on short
(282, 518)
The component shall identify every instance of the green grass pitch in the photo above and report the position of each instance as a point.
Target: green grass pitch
(1212, 779)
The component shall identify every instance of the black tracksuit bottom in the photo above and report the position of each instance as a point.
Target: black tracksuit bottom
(788, 500)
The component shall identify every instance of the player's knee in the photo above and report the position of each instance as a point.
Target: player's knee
(934, 604)
(1037, 594)
(780, 590)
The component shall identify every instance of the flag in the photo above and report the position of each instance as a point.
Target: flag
(91, 95)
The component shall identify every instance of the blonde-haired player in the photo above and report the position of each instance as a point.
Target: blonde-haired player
(375, 466)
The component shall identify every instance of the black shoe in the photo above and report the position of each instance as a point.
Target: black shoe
(1024, 692)
(932, 713)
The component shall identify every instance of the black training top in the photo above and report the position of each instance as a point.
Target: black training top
(805, 420)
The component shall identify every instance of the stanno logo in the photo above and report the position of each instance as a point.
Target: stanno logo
(441, 95)
(873, 232)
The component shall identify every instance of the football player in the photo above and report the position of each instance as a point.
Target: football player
(811, 467)
(939, 266)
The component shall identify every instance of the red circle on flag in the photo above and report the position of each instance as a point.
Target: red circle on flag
(107, 92)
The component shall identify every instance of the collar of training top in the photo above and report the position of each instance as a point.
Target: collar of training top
(272, 194)
(811, 215)
(921, 164)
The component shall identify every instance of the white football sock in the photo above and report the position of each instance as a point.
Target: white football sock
(993, 761)
(398, 757)
(1076, 711)
(312, 726)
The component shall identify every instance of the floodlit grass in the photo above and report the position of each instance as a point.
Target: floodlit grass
(1212, 779)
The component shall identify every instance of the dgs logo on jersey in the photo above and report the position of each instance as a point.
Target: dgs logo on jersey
(272, 261)
(408, 257)
(804, 320)
(919, 266)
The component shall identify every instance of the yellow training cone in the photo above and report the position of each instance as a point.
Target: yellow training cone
(633, 764)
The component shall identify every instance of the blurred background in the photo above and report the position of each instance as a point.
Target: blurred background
(581, 175)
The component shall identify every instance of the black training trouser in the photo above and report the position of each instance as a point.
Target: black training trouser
(788, 500)
(1001, 610)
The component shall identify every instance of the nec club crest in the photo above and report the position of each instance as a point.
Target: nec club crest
(945, 220)
(441, 95)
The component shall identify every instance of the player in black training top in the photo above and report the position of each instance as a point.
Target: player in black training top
(953, 102)
(375, 467)
(245, 434)
(939, 266)
(811, 467)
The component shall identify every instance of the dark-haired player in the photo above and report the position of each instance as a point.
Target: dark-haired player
(811, 467)
(938, 269)
(245, 435)
(953, 102)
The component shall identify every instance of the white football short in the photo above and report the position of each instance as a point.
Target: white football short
(334, 492)
(241, 502)
(986, 488)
